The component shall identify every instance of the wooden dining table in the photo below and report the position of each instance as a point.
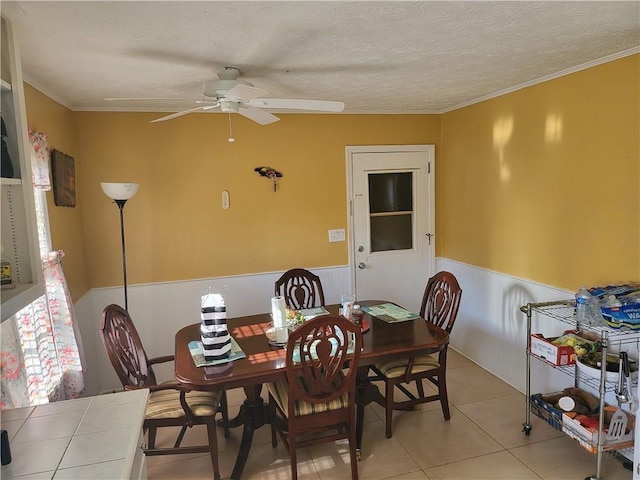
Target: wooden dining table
(265, 363)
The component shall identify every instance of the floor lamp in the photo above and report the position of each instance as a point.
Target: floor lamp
(120, 193)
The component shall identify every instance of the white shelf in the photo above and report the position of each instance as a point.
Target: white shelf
(18, 228)
(10, 181)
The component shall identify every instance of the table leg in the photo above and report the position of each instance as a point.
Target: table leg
(366, 392)
(254, 413)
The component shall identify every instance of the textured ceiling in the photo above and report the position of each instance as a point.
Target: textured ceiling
(384, 57)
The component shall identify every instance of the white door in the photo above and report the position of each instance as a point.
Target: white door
(392, 246)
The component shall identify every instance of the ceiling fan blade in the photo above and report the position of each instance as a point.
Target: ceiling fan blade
(244, 93)
(184, 112)
(298, 104)
(137, 99)
(257, 115)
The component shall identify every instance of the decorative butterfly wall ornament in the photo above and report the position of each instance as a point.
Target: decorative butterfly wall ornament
(269, 173)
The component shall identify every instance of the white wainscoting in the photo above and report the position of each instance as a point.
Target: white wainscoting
(160, 310)
(492, 331)
(490, 328)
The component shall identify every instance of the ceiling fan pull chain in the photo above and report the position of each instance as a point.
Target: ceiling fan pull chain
(230, 139)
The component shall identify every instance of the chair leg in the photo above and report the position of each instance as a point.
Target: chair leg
(353, 450)
(213, 446)
(293, 456)
(442, 392)
(151, 439)
(420, 388)
(273, 420)
(183, 430)
(388, 406)
(224, 408)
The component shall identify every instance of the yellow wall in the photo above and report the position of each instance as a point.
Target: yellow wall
(544, 183)
(67, 226)
(175, 226)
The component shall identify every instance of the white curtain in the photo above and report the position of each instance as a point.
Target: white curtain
(41, 347)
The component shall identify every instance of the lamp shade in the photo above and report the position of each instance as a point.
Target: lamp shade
(120, 191)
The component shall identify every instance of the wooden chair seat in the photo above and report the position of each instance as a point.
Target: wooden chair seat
(280, 393)
(166, 403)
(398, 368)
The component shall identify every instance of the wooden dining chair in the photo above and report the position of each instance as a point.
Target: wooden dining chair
(440, 304)
(300, 288)
(316, 401)
(170, 404)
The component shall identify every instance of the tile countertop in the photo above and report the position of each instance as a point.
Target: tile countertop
(93, 437)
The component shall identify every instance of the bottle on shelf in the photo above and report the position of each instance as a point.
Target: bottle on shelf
(611, 301)
(588, 309)
(6, 280)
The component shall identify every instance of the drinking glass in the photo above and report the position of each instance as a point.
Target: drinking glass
(347, 300)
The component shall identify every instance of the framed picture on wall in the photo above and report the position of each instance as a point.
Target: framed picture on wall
(64, 179)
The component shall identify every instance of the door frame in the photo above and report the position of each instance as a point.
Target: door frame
(349, 151)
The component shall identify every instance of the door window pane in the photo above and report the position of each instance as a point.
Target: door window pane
(391, 232)
(391, 211)
(390, 192)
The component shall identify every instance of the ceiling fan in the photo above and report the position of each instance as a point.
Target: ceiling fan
(237, 96)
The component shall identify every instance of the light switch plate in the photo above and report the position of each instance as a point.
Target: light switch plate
(336, 235)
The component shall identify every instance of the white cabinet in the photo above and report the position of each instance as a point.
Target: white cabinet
(18, 230)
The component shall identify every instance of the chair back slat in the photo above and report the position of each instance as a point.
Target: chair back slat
(124, 348)
(441, 300)
(321, 365)
(300, 288)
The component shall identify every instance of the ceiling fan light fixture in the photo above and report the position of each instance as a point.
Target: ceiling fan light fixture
(228, 73)
(229, 107)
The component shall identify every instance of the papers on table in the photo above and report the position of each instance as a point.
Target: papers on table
(309, 313)
(197, 353)
(390, 313)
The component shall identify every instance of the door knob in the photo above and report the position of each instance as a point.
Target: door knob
(361, 266)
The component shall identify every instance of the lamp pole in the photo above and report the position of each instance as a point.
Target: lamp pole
(120, 204)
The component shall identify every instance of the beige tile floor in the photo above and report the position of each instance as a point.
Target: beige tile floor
(483, 440)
